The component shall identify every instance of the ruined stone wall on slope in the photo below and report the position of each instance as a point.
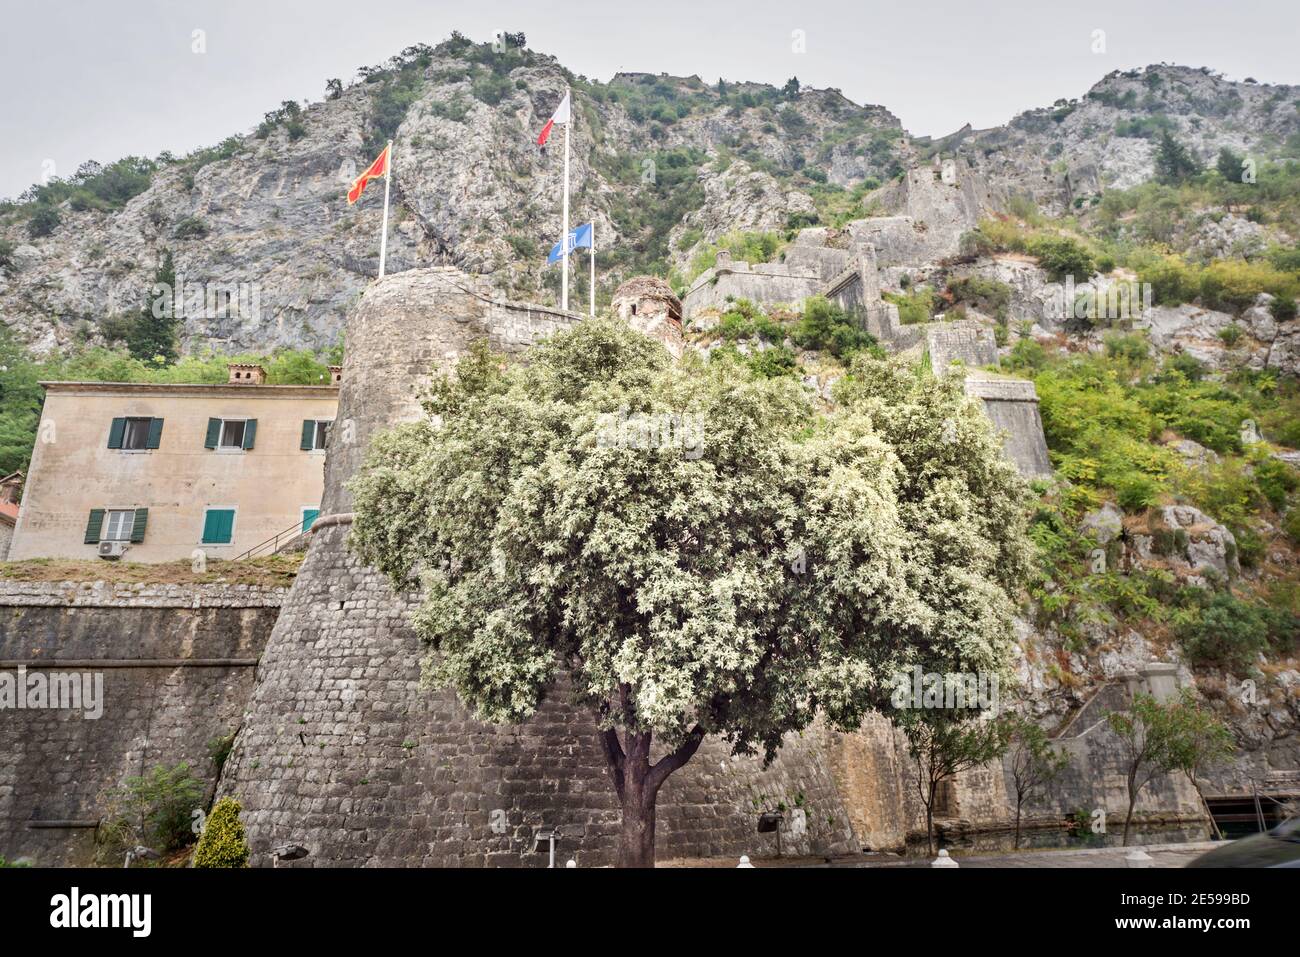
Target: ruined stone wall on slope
(1012, 406)
(175, 665)
(343, 752)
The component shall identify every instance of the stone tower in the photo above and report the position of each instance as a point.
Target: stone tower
(341, 751)
(650, 306)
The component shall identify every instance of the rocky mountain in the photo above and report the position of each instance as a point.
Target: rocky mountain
(664, 166)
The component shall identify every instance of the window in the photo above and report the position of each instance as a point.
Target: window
(315, 433)
(218, 526)
(118, 523)
(135, 433)
(232, 434)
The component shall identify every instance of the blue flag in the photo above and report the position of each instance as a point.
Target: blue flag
(579, 238)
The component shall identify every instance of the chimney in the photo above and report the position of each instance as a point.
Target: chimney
(246, 374)
(336, 375)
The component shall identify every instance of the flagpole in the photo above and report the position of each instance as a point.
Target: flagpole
(592, 312)
(383, 236)
(564, 241)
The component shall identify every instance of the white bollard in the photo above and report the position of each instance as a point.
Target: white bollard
(744, 861)
(943, 860)
(570, 863)
(1137, 858)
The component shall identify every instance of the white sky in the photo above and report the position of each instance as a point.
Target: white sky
(100, 79)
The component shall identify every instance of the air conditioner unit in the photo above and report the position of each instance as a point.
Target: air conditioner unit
(112, 549)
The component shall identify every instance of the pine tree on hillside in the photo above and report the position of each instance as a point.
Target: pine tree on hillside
(153, 333)
(1229, 165)
(1174, 162)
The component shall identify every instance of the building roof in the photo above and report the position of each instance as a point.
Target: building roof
(323, 391)
(650, 287)
(8, 512)
(647, 287)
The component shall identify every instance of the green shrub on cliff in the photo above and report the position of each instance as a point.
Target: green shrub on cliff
(223, 843)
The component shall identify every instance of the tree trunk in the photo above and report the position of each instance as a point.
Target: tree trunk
(637, 783)
(636, 844)
(1214, 825)
(929, 819)
(1128, 818)
(1019, 800)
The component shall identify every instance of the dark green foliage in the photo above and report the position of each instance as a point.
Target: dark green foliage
(1282, 308)
(43, 220)
(153, 334)
(155, 809)
(1230, 633)
(1276, 480)
(987, 295)
(1228, 164)
(1174, 162)
(191, 227)
(491, 88)
(646, 215)
(771, 363)
(1062, 256)
(93, 186)
(825, 326)
(288, 115)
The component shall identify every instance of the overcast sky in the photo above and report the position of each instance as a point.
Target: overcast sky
(100, 79)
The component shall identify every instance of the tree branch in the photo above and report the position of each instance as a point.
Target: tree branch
(671, 762)
(614, 758)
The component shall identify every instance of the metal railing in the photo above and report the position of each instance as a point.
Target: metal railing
(288, 535)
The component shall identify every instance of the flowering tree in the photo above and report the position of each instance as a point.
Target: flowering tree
(698, 551)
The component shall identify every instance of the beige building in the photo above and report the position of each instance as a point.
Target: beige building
(155, 472)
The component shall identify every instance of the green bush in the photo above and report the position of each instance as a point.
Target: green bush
(987, 295)
(771, 363)
(155, 809)
(1291, 524)
(1062, 256)
(43, 221)
(1276, 480)
(1283, 308)
(825, 326)
(223, 843)
(1226, 632)
(913, 307)
(191, 227)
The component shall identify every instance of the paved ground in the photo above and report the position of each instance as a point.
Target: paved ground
(1162, 855)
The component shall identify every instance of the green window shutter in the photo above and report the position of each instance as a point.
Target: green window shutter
(308, 435)
(94, 526)
(218, 525)
(214, 434)
(250, 433)
(155, 433)
(141, 519)
(115, 433)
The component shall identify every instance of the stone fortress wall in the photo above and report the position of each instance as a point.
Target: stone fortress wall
(343, 752)
(176, 667)
(932, 207)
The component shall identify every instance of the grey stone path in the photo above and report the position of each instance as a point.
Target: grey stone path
(1162, 855)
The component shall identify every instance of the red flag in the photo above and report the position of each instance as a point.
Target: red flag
(378, 168)
(561, 116)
